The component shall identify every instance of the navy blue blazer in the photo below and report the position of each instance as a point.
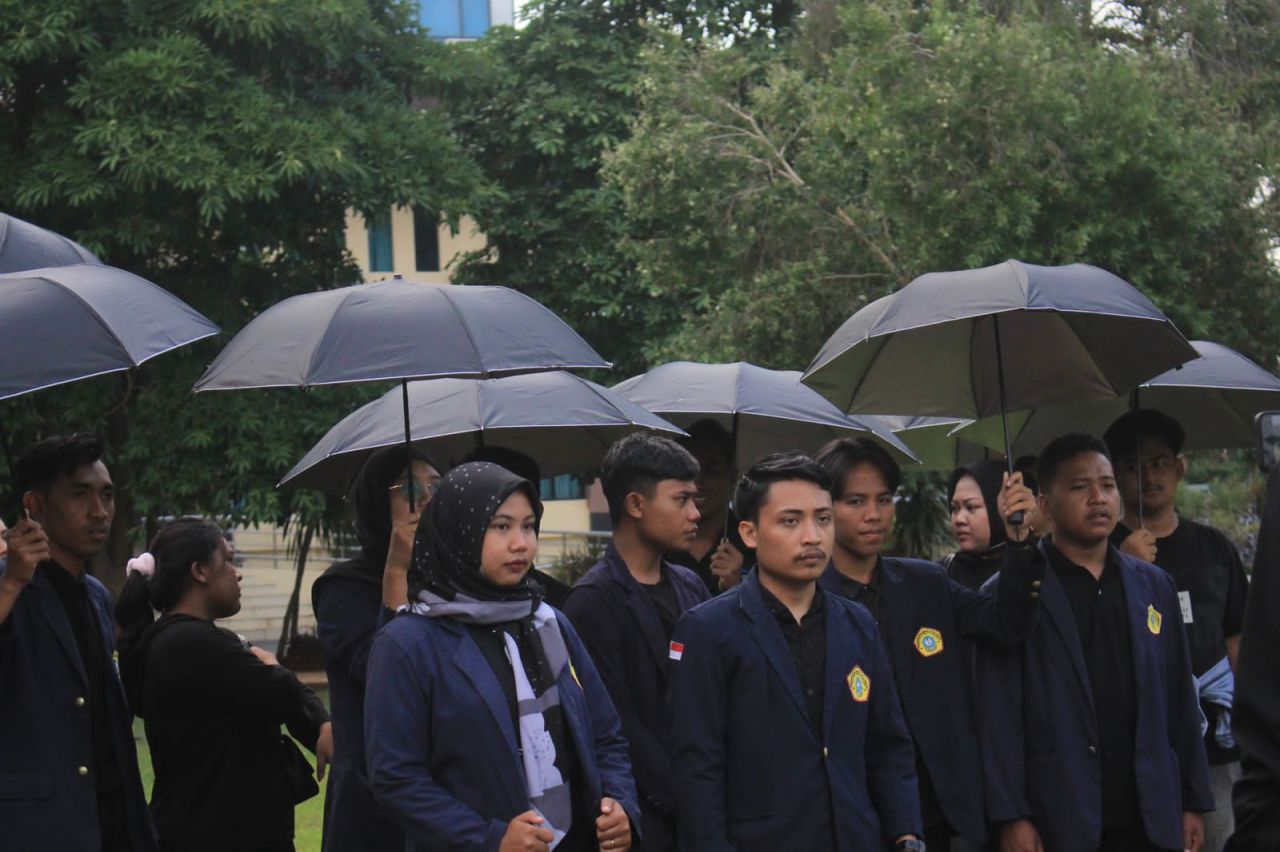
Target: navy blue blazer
(750, 771)
(1039, 732)
(45, 730)
(348, 606)
(442, 751)
(619, 624)
(927, 614)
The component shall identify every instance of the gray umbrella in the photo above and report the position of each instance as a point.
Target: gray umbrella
(27, 246)
(940, 345)
(1215, 398)
(937, 441)
(765, 410)
(65, 323)
(559, 420)
(397, 330)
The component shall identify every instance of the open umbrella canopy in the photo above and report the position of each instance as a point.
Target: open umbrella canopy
(65, 323)
(563, 422)
(27, 246)
(1215, 397)
(395, 330)
(765, 410)
(936, 441)
(1067, 334)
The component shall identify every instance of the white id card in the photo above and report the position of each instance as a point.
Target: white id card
(1184, 600)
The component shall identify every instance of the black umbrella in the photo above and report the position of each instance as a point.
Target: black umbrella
(397, 330)
(27, 246)
(562, 422)
(1214, 397)
(764, 410)
(937, 441)
(940, 345)
(66, 323)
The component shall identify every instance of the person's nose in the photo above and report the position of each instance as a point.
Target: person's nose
(98, 507)
(692, 512)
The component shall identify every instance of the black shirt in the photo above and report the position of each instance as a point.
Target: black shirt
(73, 594)
(663, 595)
(1102, 622)
(871, 596)
(808, 643)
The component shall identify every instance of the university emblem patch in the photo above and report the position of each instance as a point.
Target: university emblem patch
(859, 685)
(1153, 620)
(928, 642)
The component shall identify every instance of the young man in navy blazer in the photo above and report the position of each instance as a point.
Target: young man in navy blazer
(786, 729)
(922, 616)
(1090, 730)
(628, 603)
(68, 766)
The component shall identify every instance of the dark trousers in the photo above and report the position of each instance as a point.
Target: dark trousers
(1126, 839)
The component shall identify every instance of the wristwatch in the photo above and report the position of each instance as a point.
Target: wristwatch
(909, 844)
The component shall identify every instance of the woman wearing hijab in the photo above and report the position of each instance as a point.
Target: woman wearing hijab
(486, 724)
(226, 778)
(347, 600)
(978, 529)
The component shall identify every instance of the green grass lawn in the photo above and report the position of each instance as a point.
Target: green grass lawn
(308, 816)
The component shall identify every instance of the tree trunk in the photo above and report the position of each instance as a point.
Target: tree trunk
(289, 628)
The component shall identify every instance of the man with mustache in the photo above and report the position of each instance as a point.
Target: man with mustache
(923, 617)
(1205, 566)
(786, 729)
(626, 606)
(68, 767)
(1090, 732)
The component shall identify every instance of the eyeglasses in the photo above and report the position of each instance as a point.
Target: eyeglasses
(417, 490)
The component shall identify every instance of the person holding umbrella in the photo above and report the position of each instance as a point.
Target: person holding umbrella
(786, 727)
(1089, 729)
(628, 603)
(486, 723)
(922, 615)
(347, 600)
(1146, 446)
(67, 757)
(716, 553)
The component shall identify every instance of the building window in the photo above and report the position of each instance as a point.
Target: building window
(566, 487)
(454, 18)
(426, 240)
(380, 256)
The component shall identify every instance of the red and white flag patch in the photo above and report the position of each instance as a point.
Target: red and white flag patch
(676, 652)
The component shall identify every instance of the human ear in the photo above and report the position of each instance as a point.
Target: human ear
(634, 505)
(747, 530)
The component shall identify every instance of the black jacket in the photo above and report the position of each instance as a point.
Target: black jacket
(212, 713)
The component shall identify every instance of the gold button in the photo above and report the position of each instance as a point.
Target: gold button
(1035, 596)
(83, 770)
(824, 752)
(1035, 584)
(80, 701)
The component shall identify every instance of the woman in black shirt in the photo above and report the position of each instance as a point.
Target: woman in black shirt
(226, 779)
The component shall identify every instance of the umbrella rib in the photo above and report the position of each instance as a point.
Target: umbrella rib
(94, 313)
(328, 323)
(466, 329)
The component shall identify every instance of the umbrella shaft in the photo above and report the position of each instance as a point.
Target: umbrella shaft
(408, 441)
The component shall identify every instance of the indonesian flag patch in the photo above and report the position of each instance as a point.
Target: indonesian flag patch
(676, 651)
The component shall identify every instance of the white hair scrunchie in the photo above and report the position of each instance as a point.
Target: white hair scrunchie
(143, 563)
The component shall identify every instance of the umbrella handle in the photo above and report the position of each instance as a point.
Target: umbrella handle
(1017, 518)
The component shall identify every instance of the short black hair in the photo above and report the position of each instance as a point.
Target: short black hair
(56, 456)
(709, 433)
(637, 463)
(1122, 436)
(1061, 450)
(515, 461)
(753, 488)
(842, 455)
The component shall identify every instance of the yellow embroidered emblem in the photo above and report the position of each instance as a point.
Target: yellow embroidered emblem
(574, 674)
(928, 642)
(859, 685)
(1153, 620)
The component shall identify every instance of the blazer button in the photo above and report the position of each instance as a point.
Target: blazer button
(825, 752)
(82, 770)
(1035, 596)
(80, 701)
(1093, 750)
(1035, 584)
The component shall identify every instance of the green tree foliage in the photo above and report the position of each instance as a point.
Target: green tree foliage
(213, 146)
(773, 195)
